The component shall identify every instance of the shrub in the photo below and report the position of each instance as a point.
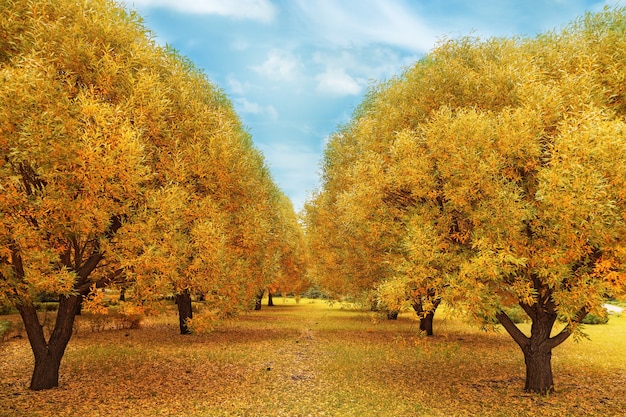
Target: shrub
(202, 323)
(6, 309)
(595, 319)
(130, 316)
(315, 292)
(5, 329)
(46, 306)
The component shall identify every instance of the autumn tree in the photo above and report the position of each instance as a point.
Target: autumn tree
(207, 228)
(72, 165)
(356, 222)
(290, 253)
(118, 159)
(507, 158)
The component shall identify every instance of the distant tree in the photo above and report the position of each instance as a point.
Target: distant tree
(290, 276)
(504, 164)
(286, 260)
(350, 234)
(356, 224)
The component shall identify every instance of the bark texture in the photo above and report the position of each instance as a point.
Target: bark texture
(48, 354)
(537, 348)
(392, 314)
(426, 317)
(257, 299)
(183, 301)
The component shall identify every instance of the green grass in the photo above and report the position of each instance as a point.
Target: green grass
(310, 359)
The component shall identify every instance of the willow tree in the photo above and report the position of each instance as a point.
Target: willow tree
(347, 243)
(207, 226)
(116, 156)
(508, 158)
(289, 251)
(357, 222)
(73, 166)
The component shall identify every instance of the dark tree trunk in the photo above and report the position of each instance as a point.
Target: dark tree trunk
(183, 300)
(392, 314)
(79, 305)
(426, 317)
(270, 299)
(48, 354)
(257, 299)
(426, 323)
(537, 348)
(538, 371)
(46, 372)
(122, 294)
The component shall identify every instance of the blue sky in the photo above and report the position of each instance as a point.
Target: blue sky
(296, 69)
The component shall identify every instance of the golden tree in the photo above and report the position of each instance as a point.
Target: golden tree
(72, 165)
(207, 228)
(355, 223)
(118, 159)
(290, 253)
(504, 162)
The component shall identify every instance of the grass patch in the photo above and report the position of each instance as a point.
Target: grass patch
(312, 359)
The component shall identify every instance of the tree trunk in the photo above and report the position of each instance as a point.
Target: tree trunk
(79, 305)
(46, 372)
(537, 354)
(122, 294)
(392, 314)
(257, 299)
(270, 299)
(426, 317)
(48, 354)
(426, 323)
(183, 300)
(538, 371)
(537, 348)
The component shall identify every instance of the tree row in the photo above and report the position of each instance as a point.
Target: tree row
(122, 165)
(490, 174)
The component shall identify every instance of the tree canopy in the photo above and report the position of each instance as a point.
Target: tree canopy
(121, 162)
(491, 173)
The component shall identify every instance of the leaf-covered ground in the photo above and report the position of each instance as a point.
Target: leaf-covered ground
(310, 359)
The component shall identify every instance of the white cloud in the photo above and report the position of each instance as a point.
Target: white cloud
(235, 86)
(240, 44)
(271, 112)
(295, 167)
(243, 105)
(336, 82)
(358, 22)
(279, 65)
(354, 67)
(261, 10)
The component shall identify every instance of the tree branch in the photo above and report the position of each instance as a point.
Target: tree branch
(567, 330)
(89, 265)
(529, 310)
(85, 287)
(517, 335)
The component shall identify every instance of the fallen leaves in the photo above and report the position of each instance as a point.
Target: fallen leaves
(311, 360)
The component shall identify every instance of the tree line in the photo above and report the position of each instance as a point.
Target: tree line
(489, 174)
(123, 165)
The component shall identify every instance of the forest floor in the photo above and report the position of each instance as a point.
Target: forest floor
(313, 359)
